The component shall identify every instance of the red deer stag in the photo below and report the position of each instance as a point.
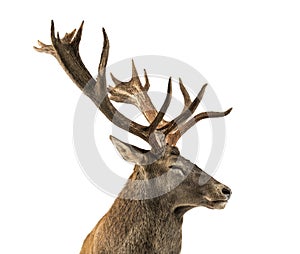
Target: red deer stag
(135, 223)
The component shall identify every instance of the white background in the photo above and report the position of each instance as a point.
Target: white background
(249, 51)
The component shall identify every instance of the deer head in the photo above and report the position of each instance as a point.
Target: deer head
(161, 169)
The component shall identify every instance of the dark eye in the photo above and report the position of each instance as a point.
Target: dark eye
(175, 151)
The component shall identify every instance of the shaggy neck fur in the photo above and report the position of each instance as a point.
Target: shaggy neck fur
(137, 226)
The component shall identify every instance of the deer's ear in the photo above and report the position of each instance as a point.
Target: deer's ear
(131, 153)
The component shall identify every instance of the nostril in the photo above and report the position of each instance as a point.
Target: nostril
(226, 192)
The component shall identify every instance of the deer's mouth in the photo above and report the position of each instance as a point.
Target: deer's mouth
(212, 204)
(215, 204)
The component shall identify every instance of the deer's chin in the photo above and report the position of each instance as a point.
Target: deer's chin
(182, 209)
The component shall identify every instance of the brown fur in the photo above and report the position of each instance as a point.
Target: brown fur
(154, 225)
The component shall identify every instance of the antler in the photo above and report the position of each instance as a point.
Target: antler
(159, 132)
(66, 51)
(133, 92)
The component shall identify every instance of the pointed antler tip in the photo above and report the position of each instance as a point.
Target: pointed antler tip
(52, 26)
(202, 91)
(170, 86)
(183, 90)
(81, 25)
(147, 85)
(227, 111)
(112, 138)
(134, 70)
(52, 31)
(105, 42)
(104, 33)
(133, 64)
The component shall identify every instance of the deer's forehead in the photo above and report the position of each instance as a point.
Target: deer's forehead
(171, 152)
(172, 159)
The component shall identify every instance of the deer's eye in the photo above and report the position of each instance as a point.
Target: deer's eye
(175, 151)
(177, 170)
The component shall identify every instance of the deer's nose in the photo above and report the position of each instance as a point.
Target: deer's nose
(227, 192)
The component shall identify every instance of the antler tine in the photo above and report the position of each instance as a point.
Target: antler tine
(133, 92)
(186, 126)
(45, 48)
(158, 138)
(163, 109)
(115, 80)
(127, 92)
(77, 38)
(105, 105)
(104, 56)
(66, 51)
(134, 81)
(186, 96)
(185, 114)
(135, 76)
(147, 83)
(69, 36)
(179, 122)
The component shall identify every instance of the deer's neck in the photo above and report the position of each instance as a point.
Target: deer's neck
(142, 226)
(138, 226)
